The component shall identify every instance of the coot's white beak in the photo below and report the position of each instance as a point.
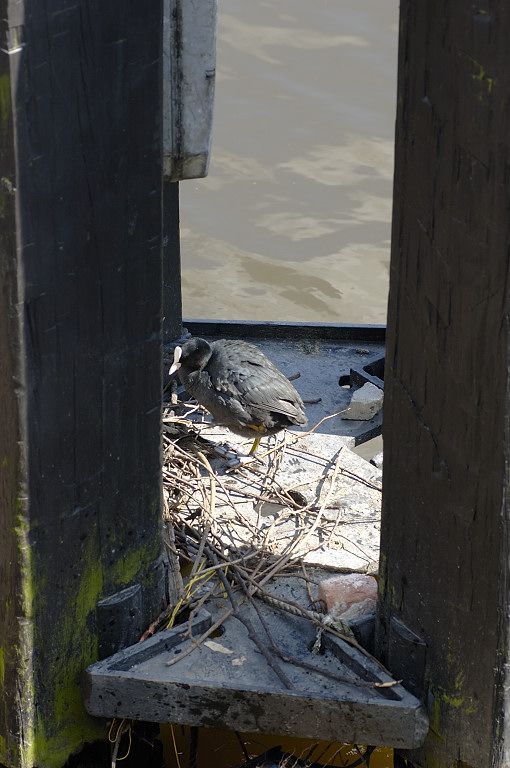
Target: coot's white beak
(176, 364)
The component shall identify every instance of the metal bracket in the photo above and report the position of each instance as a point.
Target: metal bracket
(407, 654)
(119, 620)
(122, 616)
(364, 631)
(372, 371)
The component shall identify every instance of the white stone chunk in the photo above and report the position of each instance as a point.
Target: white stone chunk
(377, 460)
(365, 403)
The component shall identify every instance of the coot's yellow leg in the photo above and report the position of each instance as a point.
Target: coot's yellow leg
(256, 428)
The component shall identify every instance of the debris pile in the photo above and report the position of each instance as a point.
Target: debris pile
(301, 509)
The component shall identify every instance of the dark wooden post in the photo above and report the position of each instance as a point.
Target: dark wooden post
(445, 532)
(172, 299)
(80, 356)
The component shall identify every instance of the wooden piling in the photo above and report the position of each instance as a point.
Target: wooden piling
(445, 527)
(80, 356)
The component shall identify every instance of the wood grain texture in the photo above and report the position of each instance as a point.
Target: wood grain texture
(172, 299)
(14, 619)
(444, 548)
(80, 381)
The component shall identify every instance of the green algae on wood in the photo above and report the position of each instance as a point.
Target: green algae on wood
(5, 99)
(482, 77)
(67, 726)
(81, 361)
(134, 564)
(62, 725)
(3, 744)
(3, 750)
(21, 530)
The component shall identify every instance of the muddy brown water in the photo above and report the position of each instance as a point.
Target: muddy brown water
(293, 222)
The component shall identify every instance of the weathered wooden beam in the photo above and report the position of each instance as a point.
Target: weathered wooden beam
(172, 299)
(445, 527)
(80, 356)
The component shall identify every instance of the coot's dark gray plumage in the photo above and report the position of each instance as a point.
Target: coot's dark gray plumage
(241, 388)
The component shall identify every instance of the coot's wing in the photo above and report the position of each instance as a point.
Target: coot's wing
(243, 372)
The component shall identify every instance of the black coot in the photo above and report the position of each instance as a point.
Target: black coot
(241, 388)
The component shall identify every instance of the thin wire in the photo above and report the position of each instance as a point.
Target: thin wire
(175, 747)
(129, 745)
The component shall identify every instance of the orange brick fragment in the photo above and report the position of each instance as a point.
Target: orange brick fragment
(354, 593)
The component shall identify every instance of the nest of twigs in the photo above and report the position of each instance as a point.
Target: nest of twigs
(237, 528)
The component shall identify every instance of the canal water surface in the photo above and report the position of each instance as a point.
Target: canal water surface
(293, 222)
